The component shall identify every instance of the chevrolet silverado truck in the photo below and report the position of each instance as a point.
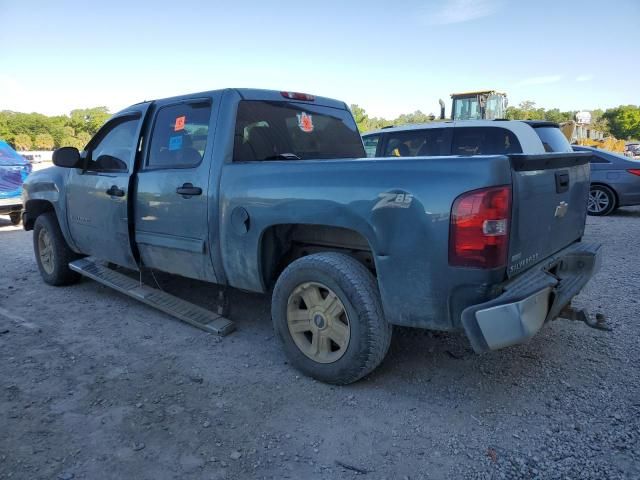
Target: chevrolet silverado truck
(270, 191)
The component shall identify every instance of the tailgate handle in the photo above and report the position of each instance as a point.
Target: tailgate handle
(562, 182)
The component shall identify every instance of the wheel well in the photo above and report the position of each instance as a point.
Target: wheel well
(282, 244)
(33, 209)
(615, 194)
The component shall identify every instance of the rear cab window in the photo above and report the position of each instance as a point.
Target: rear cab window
(287, 130)
(553, 139)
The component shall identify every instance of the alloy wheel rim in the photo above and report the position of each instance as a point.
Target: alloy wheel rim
(45, 251)
(318, 322)
(598, 201)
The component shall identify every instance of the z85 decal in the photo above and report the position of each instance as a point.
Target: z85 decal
(394, 200)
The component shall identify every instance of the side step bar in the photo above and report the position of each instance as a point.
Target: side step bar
(174, 306)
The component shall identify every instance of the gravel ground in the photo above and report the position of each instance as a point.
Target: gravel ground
(94, 385)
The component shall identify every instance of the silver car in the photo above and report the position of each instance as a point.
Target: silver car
(615, 181)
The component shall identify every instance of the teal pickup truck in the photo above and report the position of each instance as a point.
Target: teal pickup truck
(270, 191)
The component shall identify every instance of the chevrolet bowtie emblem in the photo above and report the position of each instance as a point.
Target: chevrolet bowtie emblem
(561, 209)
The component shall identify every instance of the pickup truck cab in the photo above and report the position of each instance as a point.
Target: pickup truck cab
(269, 191)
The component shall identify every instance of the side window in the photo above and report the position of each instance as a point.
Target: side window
(419, 143)
(553, 140)
(115, 146)
(596, 159)
(179, 135)
(371, 144)
(484, 141)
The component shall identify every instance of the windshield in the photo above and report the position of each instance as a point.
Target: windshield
(466, 109)
(553, 139)
(268, 130)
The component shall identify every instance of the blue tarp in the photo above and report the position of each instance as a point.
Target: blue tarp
(14, 169)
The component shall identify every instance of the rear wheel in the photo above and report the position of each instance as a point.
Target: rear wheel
(52, 252)
(15, 217)
(602, 200)
(327, 313)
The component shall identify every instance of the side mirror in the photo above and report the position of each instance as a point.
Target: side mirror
(67, 157)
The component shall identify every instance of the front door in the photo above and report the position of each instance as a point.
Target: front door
(171, 209)
(97, 195)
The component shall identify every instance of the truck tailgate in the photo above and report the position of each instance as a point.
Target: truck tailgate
(549, 210)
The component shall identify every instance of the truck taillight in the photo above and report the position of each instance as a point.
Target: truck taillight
(305, 97)
(634, 171)
(479, 230)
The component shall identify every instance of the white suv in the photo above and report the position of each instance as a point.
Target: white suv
(473, 137)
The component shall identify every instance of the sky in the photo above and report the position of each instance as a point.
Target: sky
(389, 57)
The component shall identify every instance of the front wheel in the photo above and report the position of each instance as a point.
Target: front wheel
(602, 200)
(327, 313)
(52, 252)
(15, 217)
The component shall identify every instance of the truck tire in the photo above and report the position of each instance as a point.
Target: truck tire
(15, 218)
(52, 252)
(602, 201)
(327, 313)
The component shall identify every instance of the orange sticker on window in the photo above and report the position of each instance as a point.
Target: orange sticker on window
(305, 122)
(179, 123)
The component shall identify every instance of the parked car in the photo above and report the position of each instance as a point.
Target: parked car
(270, 194)
(13, 171)
(476, 137)
(615, 181)
(33, 157)
(632, 150)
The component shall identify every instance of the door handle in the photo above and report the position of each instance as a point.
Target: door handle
(114, 191)
(188, 190)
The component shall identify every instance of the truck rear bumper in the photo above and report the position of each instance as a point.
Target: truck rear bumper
(531, 299)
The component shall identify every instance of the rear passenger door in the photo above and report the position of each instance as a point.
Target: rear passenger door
(172, 213)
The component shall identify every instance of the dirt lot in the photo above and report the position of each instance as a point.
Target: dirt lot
(95, 385)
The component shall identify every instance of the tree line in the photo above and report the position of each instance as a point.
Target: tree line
(622, 122)
(35, 131)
